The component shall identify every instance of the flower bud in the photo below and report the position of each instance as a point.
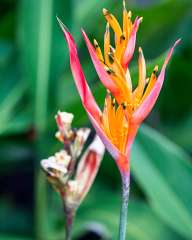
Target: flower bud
(87, 169)
(56, 168)
(79, 141)
(70, 178)
(64, 121)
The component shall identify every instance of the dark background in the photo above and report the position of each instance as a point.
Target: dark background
(35, 82)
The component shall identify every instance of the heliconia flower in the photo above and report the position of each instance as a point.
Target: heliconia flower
(70, 178)
(117, 125)
(125, 106)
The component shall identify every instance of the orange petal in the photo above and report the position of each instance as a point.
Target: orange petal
(113, 23)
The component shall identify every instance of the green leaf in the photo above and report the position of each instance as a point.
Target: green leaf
(180, 133)
(171, 20)
(37, 57)
(164, 172)
(39, 41)
(42, 53)
(175, 104)
(14, 117)
(6, 50)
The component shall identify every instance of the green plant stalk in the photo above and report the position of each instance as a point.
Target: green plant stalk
(43, 58)
(43, 62)
(124, 206)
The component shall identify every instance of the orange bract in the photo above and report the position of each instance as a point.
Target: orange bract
(112, 62)
(114, 123)
(113, 119)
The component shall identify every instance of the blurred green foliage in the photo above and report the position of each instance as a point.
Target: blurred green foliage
(35, 81)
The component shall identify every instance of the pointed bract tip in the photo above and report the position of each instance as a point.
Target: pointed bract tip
(61, 24)
(83, 33)
(58, 112)
(177, 42)
(171, 52)
(105, 12)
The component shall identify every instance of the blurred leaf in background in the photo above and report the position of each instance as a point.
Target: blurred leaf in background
(35, 81)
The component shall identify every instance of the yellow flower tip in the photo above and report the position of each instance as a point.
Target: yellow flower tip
(147, 80)
(108, 92)
(106, 68)
(107, 29)
(141, 19)
(105, 12)
(140, 50)
(113, 102)
(129, 14)
(156, 69)
(109, 70)
(95, 43)
(107, 26)
(140, 57)
(112, 49)
(124, 4)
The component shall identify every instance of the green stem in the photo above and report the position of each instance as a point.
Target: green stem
(124, 206)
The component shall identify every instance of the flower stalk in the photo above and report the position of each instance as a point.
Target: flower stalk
(124, 206)
(69, 219)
